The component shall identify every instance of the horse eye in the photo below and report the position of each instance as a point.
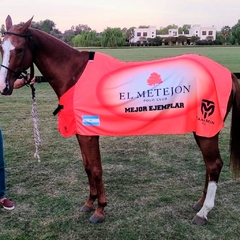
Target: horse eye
(20, 50)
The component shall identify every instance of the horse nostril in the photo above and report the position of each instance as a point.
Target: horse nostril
(2, 87)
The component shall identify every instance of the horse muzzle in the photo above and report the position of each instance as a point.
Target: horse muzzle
(7, 90)
(2, 87)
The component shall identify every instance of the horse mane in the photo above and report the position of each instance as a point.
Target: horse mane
(48, 38)
(52, 56)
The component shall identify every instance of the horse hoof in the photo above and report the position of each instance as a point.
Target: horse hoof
(87, 209)
(197, 206)
(199, 221)
(96, 219)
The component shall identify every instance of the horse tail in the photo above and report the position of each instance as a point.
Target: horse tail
(235, 128)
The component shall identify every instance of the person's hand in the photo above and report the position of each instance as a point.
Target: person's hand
(32, 81)
(20, 82)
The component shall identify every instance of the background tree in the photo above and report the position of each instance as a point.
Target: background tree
(80, 28)
(219, 38)
(112, 37)
(68, 35)
(171, 40)
(124, 31)
(225, 36)
(130, 34)
(143, 26)
(209, 40)
(47, 25)
(226, 33)
(184, 29)
(236, 32)
(157, 41)
(2, 30)
(232, 40)
(87, 39)
(143, 41)
(56, 33)
(164, 30)
(194, 39)
(181, 40)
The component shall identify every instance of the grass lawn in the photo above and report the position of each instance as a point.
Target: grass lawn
(227, 56)
(151, 181)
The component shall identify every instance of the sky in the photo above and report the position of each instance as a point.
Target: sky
(100, 14)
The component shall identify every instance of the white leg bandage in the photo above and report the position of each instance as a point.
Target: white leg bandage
(209, 201)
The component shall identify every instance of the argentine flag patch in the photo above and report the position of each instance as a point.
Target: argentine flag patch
(90, 121)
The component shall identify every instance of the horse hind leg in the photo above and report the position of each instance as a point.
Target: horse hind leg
(213, 163)
(198, 205)
(93, 167)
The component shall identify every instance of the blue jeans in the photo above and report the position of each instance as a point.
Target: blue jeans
(2, 169)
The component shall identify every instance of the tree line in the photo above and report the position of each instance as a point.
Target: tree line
(83, 36)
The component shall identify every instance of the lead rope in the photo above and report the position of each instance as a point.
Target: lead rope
(37, 139)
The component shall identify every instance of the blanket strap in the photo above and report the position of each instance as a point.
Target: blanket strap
(91, 56)
(59, 107)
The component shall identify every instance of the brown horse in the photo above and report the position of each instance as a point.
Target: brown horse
(62, 65)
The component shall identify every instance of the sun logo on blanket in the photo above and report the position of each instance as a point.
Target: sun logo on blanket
(154, 79)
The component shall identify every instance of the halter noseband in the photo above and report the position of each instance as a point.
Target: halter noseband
(23, 73)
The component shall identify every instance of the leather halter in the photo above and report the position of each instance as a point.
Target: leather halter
(23, 73)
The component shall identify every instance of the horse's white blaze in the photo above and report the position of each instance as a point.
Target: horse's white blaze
(209, 201)
(7, 48)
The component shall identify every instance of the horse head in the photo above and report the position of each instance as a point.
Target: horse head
(17, 55)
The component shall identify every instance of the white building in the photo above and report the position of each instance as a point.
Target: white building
(203, 32)
(142, 34)
(173, 32)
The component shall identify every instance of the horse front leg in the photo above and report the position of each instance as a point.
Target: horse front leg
(199, 204)
(214, 163)
(89, 146)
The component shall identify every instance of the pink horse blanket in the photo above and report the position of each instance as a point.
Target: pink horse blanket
(187, 93)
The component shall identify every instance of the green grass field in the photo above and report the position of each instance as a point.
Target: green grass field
(151, 181)
(227, 56)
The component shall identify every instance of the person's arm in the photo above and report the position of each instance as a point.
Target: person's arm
(20, 82)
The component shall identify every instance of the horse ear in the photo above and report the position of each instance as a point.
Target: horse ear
(8, 22)
(26, 25)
